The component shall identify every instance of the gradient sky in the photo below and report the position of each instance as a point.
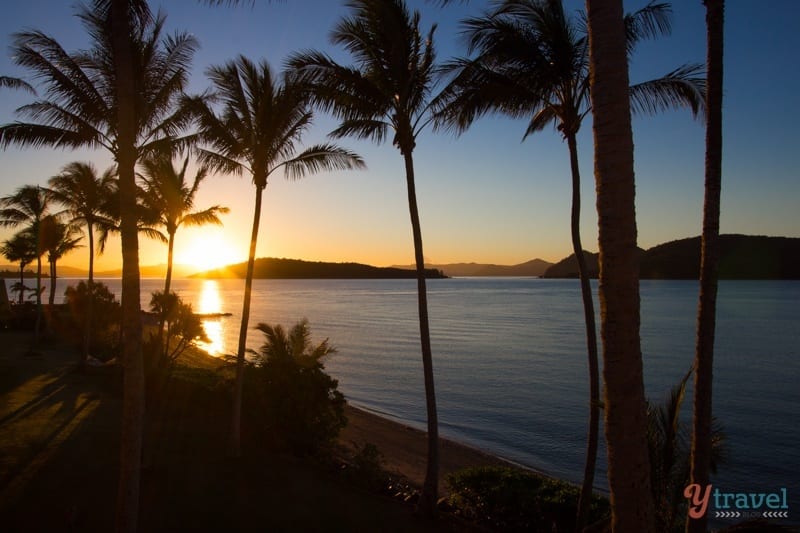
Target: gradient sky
(484, 196)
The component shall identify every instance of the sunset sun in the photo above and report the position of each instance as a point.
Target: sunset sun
(207, 251)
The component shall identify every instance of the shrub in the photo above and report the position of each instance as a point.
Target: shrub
(106, 316)
(291, 400)
(511, 499)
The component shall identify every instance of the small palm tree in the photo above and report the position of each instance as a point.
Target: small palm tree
(532, 62)
(263, 117)
(57, 240)
(171, 197)
(21, 248)
(28, 206)
(388, 89)
(83, 194)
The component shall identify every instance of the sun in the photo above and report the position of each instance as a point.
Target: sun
(207, 250)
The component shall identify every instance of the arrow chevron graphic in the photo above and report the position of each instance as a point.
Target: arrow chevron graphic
(775, 514)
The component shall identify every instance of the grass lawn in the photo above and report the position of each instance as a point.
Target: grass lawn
(59, 445)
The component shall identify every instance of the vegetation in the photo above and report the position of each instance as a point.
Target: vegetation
(125, 94)
(388, 89)
(702, 435)
(103, 322)
(84, 196)
(509, 499)
(624, 401)
(170, 197)
(291, 400)
(263, 118)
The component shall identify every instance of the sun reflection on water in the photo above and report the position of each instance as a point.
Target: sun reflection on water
(210, 302)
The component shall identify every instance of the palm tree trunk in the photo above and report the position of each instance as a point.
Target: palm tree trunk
(585, 498)
(426, 505)
(21, 283)
(236, 419)
(38, 326)
(625, 411)
(127, 512)
(162, 344)
(51, 300)
(87, 328)
(709, 262)
(170, 248)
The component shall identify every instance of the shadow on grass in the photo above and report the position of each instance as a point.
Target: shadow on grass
(59, 446)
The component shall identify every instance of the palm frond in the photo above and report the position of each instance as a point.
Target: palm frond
(16, 83)
(683, 87)
(322, 157)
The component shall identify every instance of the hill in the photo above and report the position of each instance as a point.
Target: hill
(532, 268)
(273, 268)
(741, 257)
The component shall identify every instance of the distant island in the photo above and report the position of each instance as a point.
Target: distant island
(533, 268)
(741, 257)
(273, 268)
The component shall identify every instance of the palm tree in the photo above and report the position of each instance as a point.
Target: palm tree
(57, 239)
(83, 194)
(388, 89)
(709, 262)
(532, 62)
(168, 193)
(624, 401)
(120, 96)
(262, 119)
(20, 248)
(28, 206)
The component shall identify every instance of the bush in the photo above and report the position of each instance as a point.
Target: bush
(290, 398)
(511, 499)
(106, 317)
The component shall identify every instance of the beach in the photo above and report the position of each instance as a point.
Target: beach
(404, 449)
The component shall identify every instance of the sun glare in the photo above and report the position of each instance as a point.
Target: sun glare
(207, 251)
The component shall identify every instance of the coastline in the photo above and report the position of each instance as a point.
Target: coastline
(404, 448)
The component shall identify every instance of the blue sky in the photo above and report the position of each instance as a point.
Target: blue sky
(484, 196)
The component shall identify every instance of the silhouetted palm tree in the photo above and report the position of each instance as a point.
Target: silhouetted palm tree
(21, 248)
(57, 240)
(532, 62)
(168, 193)
(624, 403)
(119, 95)
(709, 262)
(28, 206)
(84, 194)
(388, 89)
(262, 119)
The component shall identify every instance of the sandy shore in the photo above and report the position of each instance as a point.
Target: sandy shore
(404, 448)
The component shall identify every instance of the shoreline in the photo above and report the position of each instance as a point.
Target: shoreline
(403, 448)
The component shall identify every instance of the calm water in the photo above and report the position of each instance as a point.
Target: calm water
(510, 364)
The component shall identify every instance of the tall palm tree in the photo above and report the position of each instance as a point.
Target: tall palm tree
(83, 193)
(20, 248)
(532, 62)
(171, 196)
(709, 262)
(387, 89)
(120, 96)
(624, 401)
(263, 117)
(28, 206)
(57, 240)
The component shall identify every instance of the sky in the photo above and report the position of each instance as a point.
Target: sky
(485, 196)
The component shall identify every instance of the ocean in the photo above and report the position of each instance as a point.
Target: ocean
(510, 360)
